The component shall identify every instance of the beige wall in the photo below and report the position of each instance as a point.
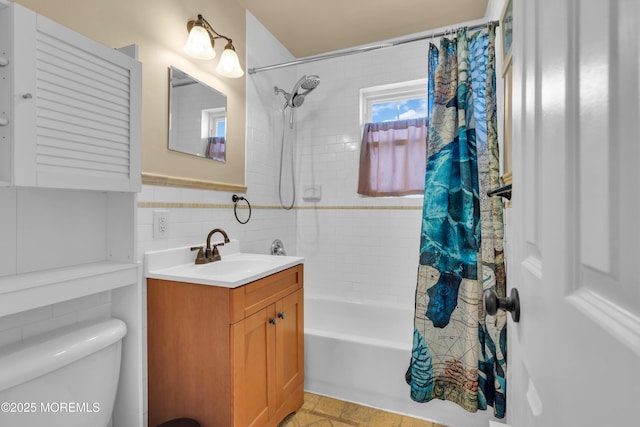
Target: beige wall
(158, 27)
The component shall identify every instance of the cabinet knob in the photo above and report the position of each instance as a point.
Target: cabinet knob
(281, 315)
(273, 320)
(27, 95)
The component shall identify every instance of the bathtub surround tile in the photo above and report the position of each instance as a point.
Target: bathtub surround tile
(323, 411)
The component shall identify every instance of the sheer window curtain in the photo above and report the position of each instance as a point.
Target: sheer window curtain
(393, 158)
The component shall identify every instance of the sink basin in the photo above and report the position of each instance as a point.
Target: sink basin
(236, 264)
(235, 269)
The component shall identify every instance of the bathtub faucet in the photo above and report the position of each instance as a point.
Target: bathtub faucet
(210, 254)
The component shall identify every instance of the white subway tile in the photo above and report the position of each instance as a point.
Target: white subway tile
(48, 325)
(94, 313)
(25, 317)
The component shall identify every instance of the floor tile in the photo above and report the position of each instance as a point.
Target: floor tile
(357, 413)
(329, 406)
(321, 423)
(384, 419)
(305, 418)
(322, 411)
(310, 401)
(414, 422)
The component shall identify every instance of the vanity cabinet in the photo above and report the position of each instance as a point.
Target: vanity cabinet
(226, 357)
(70, 108)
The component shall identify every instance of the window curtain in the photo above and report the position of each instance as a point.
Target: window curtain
(216, 148)
(459, 352)
(393, 158)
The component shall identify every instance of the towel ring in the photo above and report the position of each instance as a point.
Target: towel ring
(235, 198)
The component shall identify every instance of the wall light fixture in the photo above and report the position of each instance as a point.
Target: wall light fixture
(200, 44)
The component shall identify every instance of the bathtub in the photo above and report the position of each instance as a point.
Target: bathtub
(360, 352)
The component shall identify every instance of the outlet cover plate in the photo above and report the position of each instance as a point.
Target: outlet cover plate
(160, 223)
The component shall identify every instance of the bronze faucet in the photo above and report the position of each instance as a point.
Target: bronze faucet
(210, 254)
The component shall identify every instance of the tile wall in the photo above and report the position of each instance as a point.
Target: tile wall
(355, 247)
(20, 326)
(28, 243)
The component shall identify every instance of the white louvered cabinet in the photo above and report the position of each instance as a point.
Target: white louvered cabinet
(70, 114)
(69, 175)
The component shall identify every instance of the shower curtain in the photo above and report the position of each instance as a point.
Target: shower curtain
(459, 352)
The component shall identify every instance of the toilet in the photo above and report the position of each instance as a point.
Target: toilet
(65, 378)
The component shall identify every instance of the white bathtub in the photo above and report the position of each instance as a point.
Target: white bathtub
(360, 353)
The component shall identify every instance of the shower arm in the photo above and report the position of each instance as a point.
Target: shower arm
(277, 90)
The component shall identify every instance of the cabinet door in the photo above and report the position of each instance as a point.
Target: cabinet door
(75, 109)
(253, 368)
(289, 350)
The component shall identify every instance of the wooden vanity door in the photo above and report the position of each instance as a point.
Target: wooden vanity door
(253, 340)
(289, 349)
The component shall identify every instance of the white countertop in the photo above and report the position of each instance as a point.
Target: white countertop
(235, 269)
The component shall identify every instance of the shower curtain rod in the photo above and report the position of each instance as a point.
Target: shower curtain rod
(362, 49)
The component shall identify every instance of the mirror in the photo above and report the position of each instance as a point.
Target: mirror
(197, 117)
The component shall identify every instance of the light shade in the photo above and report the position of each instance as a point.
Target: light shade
(198, 44)
(229, 65)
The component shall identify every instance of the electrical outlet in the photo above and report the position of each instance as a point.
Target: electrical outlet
(160, 224)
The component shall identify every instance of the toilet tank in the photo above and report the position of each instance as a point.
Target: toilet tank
(66, 378)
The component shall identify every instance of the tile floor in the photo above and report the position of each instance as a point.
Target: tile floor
(321, 411)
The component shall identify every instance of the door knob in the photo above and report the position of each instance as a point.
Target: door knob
(493, 303)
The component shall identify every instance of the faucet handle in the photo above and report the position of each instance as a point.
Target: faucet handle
(200, 258)
(215, 256)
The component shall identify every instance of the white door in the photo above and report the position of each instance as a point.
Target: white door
(574, 228)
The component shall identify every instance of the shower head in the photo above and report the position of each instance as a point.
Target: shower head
(296, 98)
(307, 84)
(310, 83)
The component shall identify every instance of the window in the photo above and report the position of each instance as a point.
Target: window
(213, 122)
(394, 139)
(213, 128)
(398, 101)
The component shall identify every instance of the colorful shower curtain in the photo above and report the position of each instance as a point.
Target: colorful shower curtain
(459, 352)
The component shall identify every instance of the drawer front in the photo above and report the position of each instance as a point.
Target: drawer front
(249, 299)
